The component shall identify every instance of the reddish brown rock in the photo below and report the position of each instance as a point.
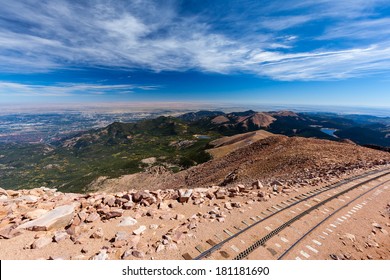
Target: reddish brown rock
(221, 194)
(98, 234)
(92, 217)
(138, 254)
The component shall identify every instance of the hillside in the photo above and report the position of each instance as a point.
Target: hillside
(284, 159)
(228, 144)
(117, 149)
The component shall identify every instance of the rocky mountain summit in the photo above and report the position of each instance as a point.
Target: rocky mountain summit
(44, 223)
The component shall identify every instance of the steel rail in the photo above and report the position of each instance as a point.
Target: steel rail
(264, 239)
(328, 217)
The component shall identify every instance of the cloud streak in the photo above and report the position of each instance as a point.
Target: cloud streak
(146, 35)
(69, 89)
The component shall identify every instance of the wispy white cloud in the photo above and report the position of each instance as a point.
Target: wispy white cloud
(330, 65)
(47, 35)
(277, 23)
(367, 29)
(68, 89)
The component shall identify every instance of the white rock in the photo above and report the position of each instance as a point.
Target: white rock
(184, 195)
(163, 206)
(56, 218)
(29, 198)
(350, 237)
(140, 230)
(257, 184)
(127, 221)
(160, 248)
(180, 217)
(228, 206)
(41, 242)
(101, 256)
(121, 235)
(60, 235)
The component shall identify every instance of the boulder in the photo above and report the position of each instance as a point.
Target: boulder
(276, 183)
(153, 226)
(92, 217)
(287, 190)
(127, 221)
(163, 206)
(228, 206)
(121, 235)
(133, 241)
(241, 187)
(109, 200)
(350, 236)
(144, 197)
(128, 205)
(160, 248)
(57, 218)
(138, 254)
(113, 214)
(139, 230)
(178, 237)
(60, 235)
(41, 242)
(236, 204)
(98, 234)
(257, 184)
(277, 189)
(9, 232)
(184, 195)
(101, 256)
(221, 194)
(192, 225)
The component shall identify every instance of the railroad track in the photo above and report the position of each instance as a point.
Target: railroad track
(327, 194)
(328, 218)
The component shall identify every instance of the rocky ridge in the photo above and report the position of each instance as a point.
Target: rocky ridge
(289, 160)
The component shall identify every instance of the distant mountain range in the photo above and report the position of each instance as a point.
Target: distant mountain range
(360, 129)
(172, 143)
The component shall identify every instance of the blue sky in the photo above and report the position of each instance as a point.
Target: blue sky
(246, 52)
